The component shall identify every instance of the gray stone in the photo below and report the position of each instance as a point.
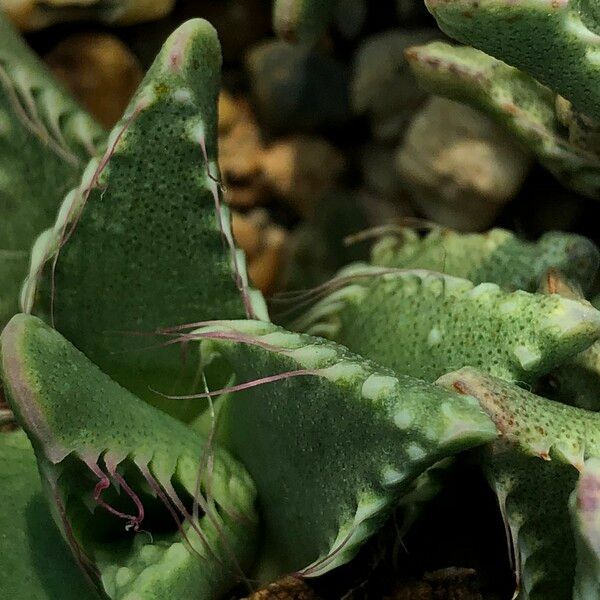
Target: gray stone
(296, 88)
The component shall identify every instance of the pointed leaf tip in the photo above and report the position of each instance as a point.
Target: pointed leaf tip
(193, 44)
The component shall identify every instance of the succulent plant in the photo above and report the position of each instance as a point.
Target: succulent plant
(184, 443)
(554, 42)
(536, 80)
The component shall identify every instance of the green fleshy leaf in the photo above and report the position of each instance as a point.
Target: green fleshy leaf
(497, 256)
(424, 324)
(533, 497)
(95, 444)
(584, 505)
(332, 443)
(555, 42)
(515, 101)
(45, 140)
(145, 242)
(533, 467)
(35, 563)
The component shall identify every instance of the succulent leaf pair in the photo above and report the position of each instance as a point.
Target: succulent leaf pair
(534, 465)
(195, 543)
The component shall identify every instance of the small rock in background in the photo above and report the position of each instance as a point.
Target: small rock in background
(240, 154)
(263, 242)
(410, 11)
(301, 169)
(288, 588)
(383, 86)
(100, 72)
(295, 88)
(240, 23)
(350, 16)
(381, 211)
(460, 168)
(30, 15)
(378, 168)
(296, 170)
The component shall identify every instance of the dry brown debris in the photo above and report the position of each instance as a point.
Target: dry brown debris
(288, 588)
(445, 584)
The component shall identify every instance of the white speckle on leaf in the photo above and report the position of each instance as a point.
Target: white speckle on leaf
(434, 337)
(528, 358)
(378, 386)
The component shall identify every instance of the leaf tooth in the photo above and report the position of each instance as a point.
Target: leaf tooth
(343, 371)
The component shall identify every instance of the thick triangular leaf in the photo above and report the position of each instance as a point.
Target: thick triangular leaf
(45, 141)
(425, 324)
(124, 477)
(515, 101)
(533, 468)
(144, 242)
(331, 439)
(555, 42)
(577, 380)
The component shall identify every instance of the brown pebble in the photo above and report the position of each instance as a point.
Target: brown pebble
(232, 110)
(99, 70)
(240, 153)
(301, 169)
(263, 242)
(248, 230)
(31, 15)
(264, 269)
(288, 588)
